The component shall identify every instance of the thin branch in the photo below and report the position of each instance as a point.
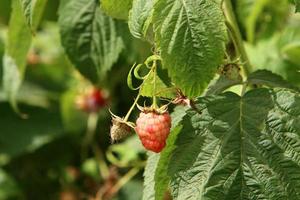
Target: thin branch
(235, 34)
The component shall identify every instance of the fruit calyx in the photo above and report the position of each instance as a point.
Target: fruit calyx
(162, 110)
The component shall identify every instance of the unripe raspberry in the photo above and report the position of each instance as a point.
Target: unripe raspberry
(120, 129)
(232, 71)
(153, 129)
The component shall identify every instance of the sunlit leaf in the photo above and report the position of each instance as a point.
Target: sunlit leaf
(191, 36)
(33, 10)
(17, 46)
(140, 18)
(116, 8)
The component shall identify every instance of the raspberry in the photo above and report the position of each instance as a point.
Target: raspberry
(153, 129)
(92, 100)
(120, 128)
(96, 99)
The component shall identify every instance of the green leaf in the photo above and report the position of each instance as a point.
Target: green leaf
(160, 89)
(41, 127)
(191, 36)
(140, 18)
(1, 57)
(156, 172)
(265, 77)
(17, 46)
(91, 168)
(220, 84)
(8, 186)
(31, 94)
(126, 191)
(234, 147)
(148, 193)
(126, 153)
(89, 37)
(116, 8)
(291, 52)
(33, 11)
(162, 178)
(135, 68)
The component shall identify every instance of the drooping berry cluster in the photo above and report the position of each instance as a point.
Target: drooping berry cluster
(153, 129)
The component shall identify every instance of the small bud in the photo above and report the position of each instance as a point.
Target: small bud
(231, 71)
(181, 99)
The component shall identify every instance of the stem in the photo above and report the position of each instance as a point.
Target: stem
(235, 34)
(91, 128)
(132, 107)
(244, 88)
(127, 177)
(103, 168)
(90, 133)
(154, 85)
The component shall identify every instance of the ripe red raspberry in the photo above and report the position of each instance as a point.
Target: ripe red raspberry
(92, 100)
(96, 99)
(153, 129)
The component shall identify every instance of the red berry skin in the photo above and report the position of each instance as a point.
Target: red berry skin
(91, 101)
(153, 130)
(95, 100)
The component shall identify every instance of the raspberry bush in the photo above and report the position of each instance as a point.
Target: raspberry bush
(201, 96)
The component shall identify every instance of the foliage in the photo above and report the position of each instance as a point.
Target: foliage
(90, 39)
(140, 17)
(14, 61)
(227, 71)
(177, 29)
(116, 9)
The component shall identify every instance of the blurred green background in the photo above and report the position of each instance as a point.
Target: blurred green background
(46, 156)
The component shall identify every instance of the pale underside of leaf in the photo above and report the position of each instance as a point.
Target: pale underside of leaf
(16, 48)
(140, 17)
(191, 36)
(33, 10)
(239, 148)
(152, 161)
(11, 79)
